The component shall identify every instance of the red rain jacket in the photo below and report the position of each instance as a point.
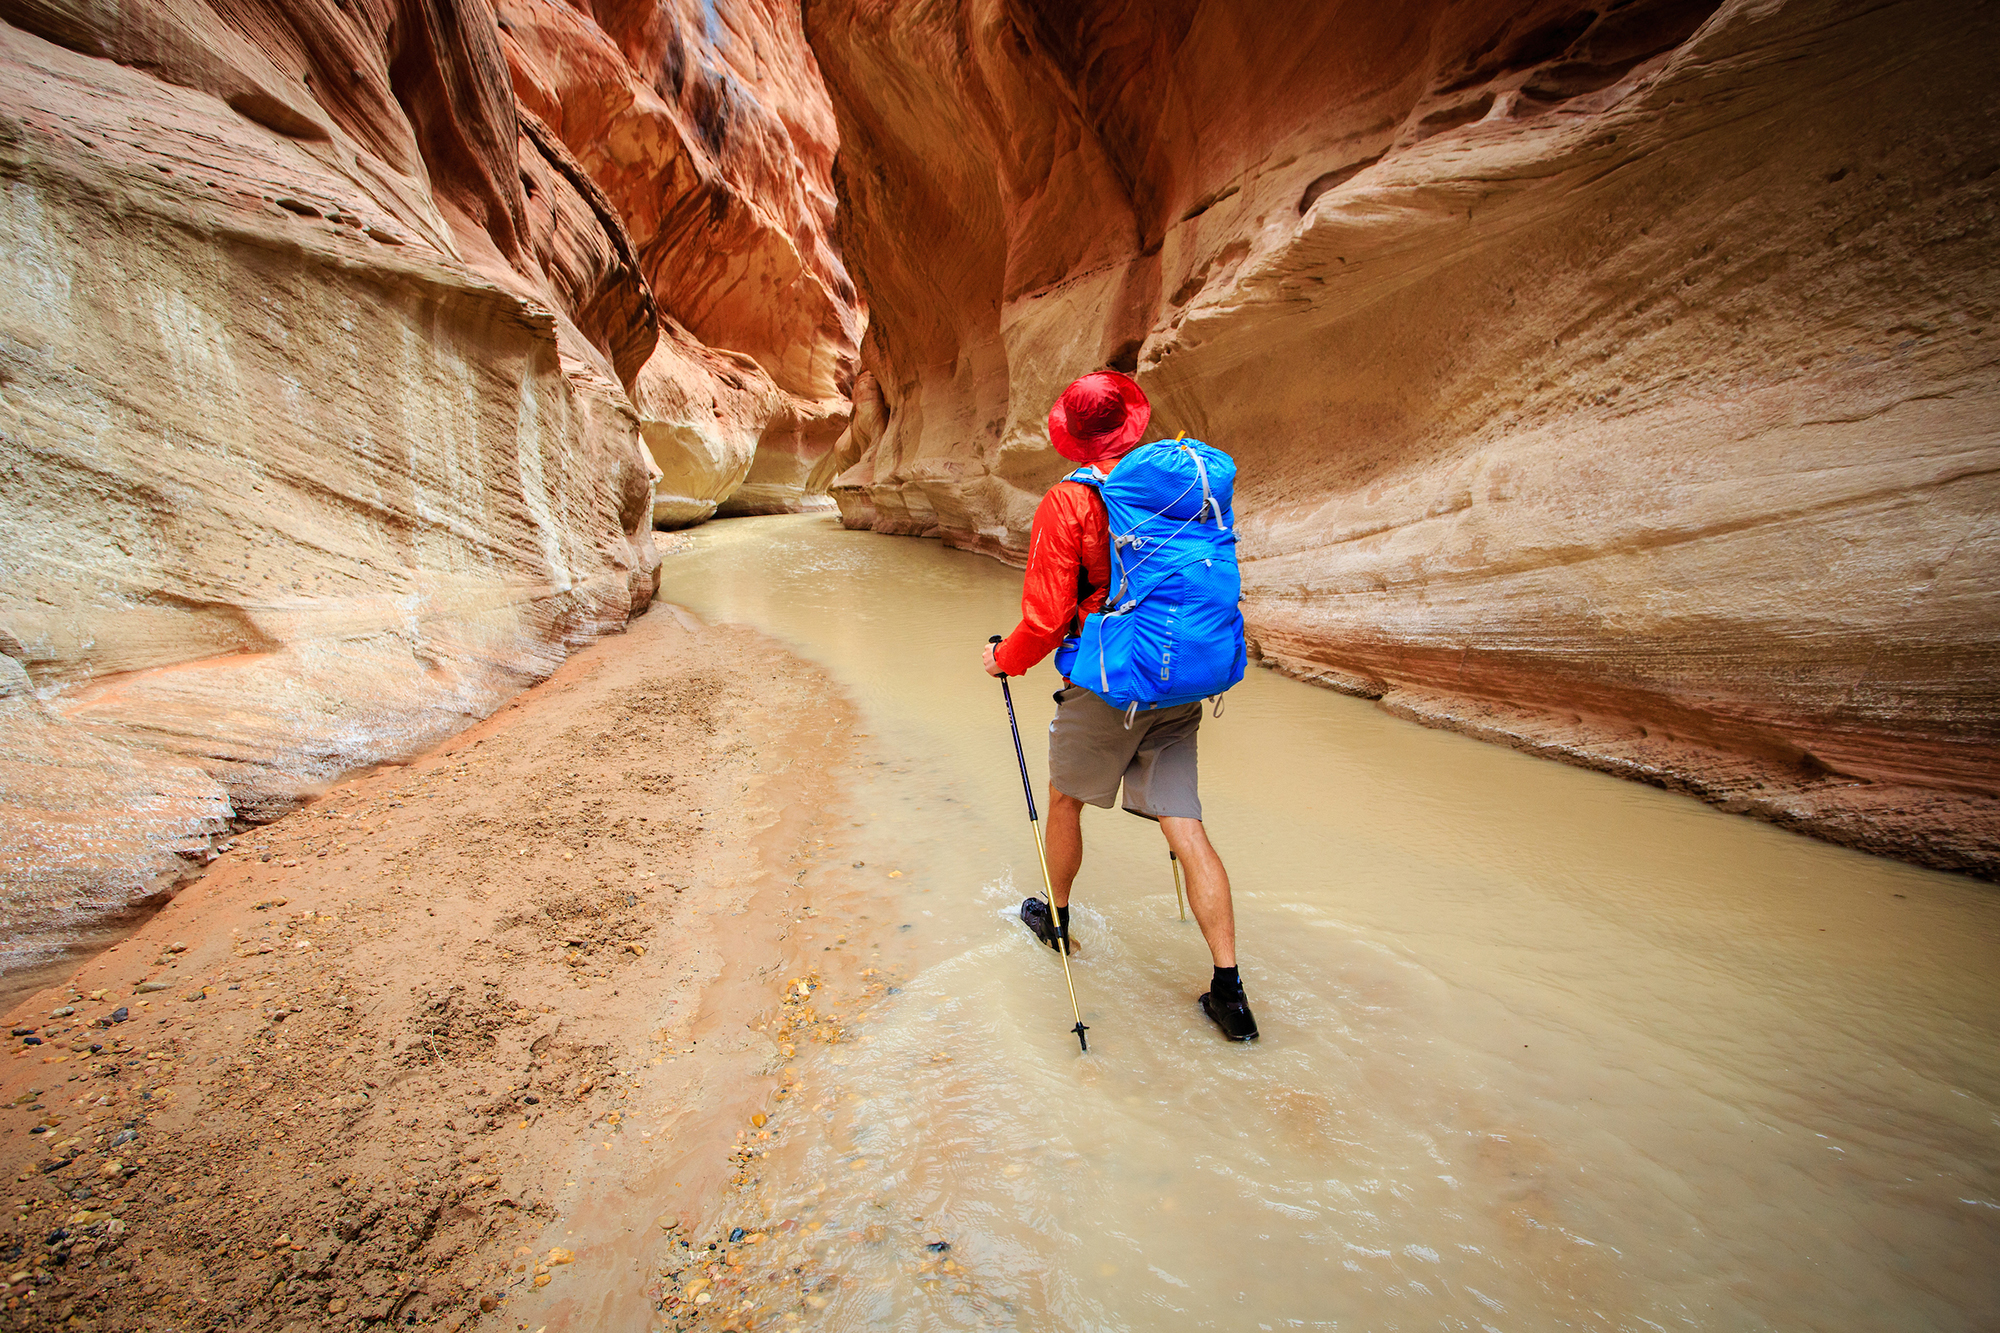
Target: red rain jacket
(1069, 568)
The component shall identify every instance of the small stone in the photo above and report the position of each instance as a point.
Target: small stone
(120, 1014)
(111, 1168)
(63, 1012)
(759, 1119)
(561, 1256)
(148, 987)
(666, 1221)
(542, 1279)
(735, 1234)
(339, 1303)
(123, 1137)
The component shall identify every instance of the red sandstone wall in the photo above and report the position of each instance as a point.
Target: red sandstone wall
(1615, 381)
(338, 379)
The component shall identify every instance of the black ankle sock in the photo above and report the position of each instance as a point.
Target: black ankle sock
(1227, 985)
(1062, 918)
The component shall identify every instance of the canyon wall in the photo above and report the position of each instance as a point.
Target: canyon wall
(1613, 380)
(709, 132)
(343, 346)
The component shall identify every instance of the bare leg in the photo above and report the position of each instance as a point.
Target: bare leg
(1207, 885)
(1063, 844)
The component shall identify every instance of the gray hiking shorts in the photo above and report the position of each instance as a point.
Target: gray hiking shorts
(1091, 752)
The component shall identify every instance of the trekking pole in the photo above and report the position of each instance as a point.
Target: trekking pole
(1048, 886)
(1179, 901)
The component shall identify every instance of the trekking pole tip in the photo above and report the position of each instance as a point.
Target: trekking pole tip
(1081, 1041)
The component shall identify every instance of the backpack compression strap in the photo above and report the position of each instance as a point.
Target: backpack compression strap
(1208, 500)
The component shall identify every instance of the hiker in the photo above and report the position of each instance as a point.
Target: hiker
(1113, 735)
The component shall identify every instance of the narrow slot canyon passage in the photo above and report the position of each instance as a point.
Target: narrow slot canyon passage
(503, 827)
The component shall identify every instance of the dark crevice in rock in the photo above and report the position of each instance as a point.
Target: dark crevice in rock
(1333, 180)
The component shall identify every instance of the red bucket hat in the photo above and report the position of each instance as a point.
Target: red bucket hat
(1099, 416)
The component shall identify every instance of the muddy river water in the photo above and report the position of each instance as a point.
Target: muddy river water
(1541, 1048)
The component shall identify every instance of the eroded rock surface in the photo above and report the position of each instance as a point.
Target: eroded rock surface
(1615, 380)
(709, 131)
(330, 377)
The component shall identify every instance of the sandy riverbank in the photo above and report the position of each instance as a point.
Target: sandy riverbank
(473, 1042)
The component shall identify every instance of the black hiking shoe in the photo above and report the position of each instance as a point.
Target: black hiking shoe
(1232, 1016)
(1036, 916)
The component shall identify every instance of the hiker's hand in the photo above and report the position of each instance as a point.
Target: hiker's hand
(992, 664)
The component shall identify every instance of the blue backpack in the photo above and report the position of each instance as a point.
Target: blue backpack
(1170, 631)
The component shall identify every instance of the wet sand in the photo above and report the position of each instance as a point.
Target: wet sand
(464, 1043)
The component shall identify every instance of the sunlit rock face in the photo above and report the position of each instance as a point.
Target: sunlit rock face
(333, 383)
(1614, 381)
(702, 413)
